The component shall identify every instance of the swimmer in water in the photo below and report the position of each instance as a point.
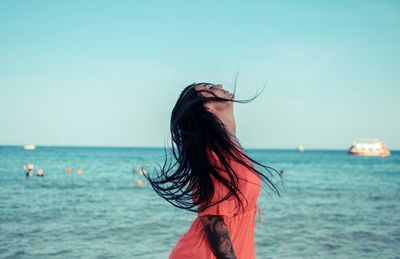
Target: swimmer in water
(40, 172)
(79, 171)
(30, 171)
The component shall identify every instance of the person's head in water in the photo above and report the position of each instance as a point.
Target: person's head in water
(202, 128)
(40, 172)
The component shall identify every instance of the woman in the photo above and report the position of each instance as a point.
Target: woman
(212, 176)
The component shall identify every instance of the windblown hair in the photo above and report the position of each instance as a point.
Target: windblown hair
(198, 139)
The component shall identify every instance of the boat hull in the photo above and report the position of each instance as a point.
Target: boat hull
(383, 153)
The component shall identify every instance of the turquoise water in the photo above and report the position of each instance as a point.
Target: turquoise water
(334, 206)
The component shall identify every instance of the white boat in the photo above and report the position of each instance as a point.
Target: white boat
(369, 147)
(300, 149)
(29, 147)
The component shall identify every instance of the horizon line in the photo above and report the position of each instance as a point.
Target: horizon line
(159, 147)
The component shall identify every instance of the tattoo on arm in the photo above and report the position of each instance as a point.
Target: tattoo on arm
(218, 236)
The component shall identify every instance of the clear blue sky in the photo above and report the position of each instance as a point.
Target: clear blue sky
(109, 72)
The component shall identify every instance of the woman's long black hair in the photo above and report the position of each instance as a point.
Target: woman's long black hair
(198, 137)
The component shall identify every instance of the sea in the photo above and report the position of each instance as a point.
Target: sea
(331, 205)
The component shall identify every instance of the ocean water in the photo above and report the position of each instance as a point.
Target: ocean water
(332, 206)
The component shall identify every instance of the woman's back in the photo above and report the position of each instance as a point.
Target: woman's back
(194, 243)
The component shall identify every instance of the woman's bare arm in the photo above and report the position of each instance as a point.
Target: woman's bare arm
(218, 236)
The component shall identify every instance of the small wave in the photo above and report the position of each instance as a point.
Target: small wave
(329, 246)
(56, 253)
(16, 254)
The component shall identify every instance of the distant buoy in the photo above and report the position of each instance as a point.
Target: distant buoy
(69, 170)
(79, 171)
(139, 182)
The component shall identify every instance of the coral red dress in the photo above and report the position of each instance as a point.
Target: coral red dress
(194, 243)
